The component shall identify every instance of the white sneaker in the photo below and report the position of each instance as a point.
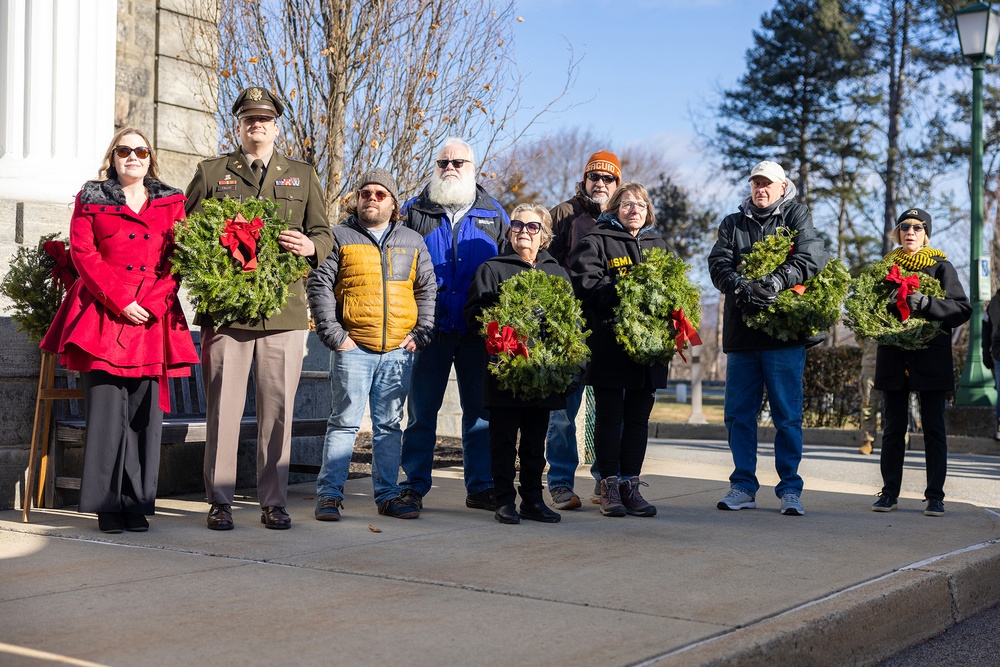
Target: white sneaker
(595, 497)
(791, 505)
(737, 499)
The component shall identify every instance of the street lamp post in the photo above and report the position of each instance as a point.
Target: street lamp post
(978, 29)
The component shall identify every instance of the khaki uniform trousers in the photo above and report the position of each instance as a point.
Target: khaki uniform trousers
(226, 357)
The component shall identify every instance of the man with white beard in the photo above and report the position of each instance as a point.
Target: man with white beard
(463, 227)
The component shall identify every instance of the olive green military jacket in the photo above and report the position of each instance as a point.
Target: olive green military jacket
(295, 186)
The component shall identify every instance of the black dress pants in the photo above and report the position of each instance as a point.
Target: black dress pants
(621, 429)
(121, 458)
(504, 426)
(894, 441)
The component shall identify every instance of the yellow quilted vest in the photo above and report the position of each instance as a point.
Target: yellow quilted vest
(375, 294)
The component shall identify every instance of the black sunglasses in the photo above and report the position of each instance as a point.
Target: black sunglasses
(905, 226)
(457, 164)
(607, 178)
(141, 152)
(532, 227)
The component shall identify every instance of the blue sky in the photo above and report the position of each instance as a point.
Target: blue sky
(647, 65)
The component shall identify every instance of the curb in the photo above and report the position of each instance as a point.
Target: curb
(957, 444)
(864, 624)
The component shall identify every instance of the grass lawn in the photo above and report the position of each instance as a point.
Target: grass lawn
(668, 411)
(671, 412)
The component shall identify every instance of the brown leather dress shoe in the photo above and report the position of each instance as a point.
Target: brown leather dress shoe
(275, 517)
(220, 517)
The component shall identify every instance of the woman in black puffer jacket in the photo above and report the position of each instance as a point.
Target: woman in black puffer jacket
(624, 391)
(928, 371)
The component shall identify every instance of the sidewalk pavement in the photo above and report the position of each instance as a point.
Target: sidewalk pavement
(691, 586)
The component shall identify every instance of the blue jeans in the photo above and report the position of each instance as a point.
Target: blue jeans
(357, 377)
(431, 366)
(560, 442)
(747, 373)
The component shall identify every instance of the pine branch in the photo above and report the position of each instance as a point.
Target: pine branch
(649, 295)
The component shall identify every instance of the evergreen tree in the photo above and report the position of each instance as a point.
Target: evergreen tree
(686, 228)
(914, 42)
(787, 105)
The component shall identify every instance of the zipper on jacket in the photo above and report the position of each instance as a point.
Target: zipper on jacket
(384, 253)
(383, 248)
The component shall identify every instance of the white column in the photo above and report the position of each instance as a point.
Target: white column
(57, 95)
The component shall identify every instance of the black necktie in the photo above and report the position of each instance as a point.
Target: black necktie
(258, 172)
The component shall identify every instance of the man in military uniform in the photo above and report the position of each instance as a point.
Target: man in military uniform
(274, 345)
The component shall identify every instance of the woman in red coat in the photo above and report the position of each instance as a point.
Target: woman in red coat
(123, 329)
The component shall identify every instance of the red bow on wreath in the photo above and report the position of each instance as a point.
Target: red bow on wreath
(907, 286)
(498, 341)
(240, 236)
(685, 331)
(62, 272)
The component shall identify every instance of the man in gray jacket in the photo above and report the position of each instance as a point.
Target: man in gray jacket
(372, 301)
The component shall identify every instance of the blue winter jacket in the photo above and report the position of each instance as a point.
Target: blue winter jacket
(480, 237)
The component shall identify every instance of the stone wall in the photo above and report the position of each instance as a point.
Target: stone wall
(169, 92)
(20, 223)
(186, 93)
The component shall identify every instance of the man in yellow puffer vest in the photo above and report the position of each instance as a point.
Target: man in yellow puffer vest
(372, 300)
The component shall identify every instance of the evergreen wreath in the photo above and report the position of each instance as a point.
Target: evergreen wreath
(796, 314)
(546, 345)
(650, 295)
(35, 284)
(869, 315)
(235, 280)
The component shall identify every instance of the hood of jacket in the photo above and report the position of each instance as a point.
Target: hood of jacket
(612, 220)
(510, 257)
(747, 208)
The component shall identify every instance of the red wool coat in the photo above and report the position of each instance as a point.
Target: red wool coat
(123, 256)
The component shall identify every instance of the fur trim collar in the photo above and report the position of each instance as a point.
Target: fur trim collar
(109, 193)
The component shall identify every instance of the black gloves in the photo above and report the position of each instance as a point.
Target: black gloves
(753, 297)
(918, 302)
(774, 281)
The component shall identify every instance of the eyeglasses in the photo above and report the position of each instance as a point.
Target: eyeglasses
(377, 195)
(607, 178)
(517, 226)
(457, 164)
(905, 226)
(629, 205)
(141, 152)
